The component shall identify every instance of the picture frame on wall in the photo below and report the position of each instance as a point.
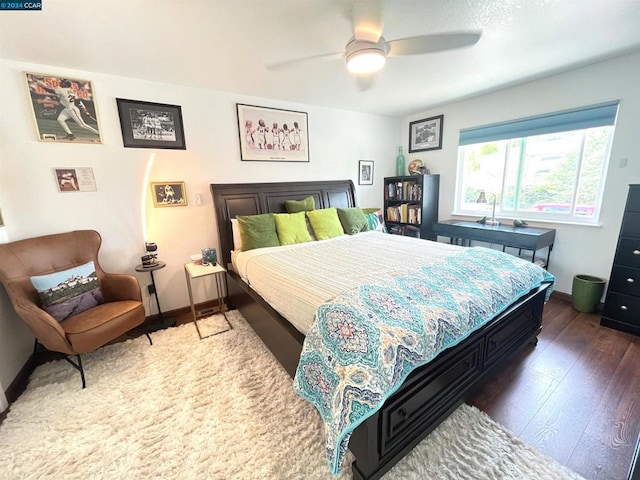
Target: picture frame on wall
(151, 125)
(79, 179)
(64, 109)
(169, 194)
(365, 172)
(272, 134)
(426, 134)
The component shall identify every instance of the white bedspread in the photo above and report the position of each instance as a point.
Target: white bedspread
(297, 279)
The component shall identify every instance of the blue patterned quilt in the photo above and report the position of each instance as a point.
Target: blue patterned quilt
(364, 343)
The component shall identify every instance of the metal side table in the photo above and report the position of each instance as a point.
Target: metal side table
(196, 270)
(161, 322)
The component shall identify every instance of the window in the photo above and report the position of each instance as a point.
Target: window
(550, 167)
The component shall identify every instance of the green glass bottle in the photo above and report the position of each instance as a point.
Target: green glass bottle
(400, 163)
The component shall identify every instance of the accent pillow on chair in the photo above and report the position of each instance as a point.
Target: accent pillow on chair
(69, 292)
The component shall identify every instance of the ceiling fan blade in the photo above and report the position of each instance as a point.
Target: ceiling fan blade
(367, 20)
(365, 82)
(432, 43)
(303, 60)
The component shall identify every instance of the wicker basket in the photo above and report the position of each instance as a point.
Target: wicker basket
(586, 292)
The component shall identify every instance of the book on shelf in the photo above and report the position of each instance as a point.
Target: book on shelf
(394, 229)
(409, 190)
(394, 213)
(390, 191)
(405, 213)
(414, 214)
(412, 191)
(411, 231)
(404, 210)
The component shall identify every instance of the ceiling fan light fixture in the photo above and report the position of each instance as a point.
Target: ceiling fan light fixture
(366, 61)
(364, 57)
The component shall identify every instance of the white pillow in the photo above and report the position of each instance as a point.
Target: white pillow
(237, 240)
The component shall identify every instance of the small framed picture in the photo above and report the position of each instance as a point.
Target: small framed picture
(272, 134)
(64, 109)
(151, 125)
(425, 134)
(75, 179)
(169, 194)
(365, 172)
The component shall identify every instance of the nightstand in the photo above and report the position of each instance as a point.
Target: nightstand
(196, 270)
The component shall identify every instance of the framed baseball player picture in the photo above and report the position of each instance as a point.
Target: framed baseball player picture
(79, 179)
(64, 109)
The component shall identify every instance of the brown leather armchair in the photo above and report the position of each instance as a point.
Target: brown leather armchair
(121, 311)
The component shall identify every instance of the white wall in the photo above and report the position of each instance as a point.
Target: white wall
(32, 205)
(577, 249)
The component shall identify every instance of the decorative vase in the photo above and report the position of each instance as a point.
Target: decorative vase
(400, 163)
(586, 292)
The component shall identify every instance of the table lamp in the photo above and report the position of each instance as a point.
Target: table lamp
(482, 198)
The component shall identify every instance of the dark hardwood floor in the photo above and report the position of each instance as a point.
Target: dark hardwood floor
(575, 396)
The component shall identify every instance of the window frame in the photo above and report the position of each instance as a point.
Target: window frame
(603, 115)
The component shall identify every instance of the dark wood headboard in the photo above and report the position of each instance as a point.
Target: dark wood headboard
(232, 199)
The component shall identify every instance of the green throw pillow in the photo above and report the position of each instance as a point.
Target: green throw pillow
(66, 293)
(292, 228)
(258, 231)
(325, 223)
(295, 206)
(353, 220)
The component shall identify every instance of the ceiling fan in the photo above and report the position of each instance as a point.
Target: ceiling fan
(366, 52)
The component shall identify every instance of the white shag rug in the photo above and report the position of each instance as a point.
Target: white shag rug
(219, 408)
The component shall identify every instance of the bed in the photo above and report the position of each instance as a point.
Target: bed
(429, 393)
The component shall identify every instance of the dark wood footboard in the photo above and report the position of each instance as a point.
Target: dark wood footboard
(428, 396)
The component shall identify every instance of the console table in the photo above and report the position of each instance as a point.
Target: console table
(523, 238)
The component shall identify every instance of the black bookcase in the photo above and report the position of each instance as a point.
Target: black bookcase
(411, 205)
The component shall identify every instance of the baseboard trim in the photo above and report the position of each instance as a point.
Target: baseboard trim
(207, 305)
(565, 297)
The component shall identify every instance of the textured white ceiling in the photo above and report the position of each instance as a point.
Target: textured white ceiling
(225, 44)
